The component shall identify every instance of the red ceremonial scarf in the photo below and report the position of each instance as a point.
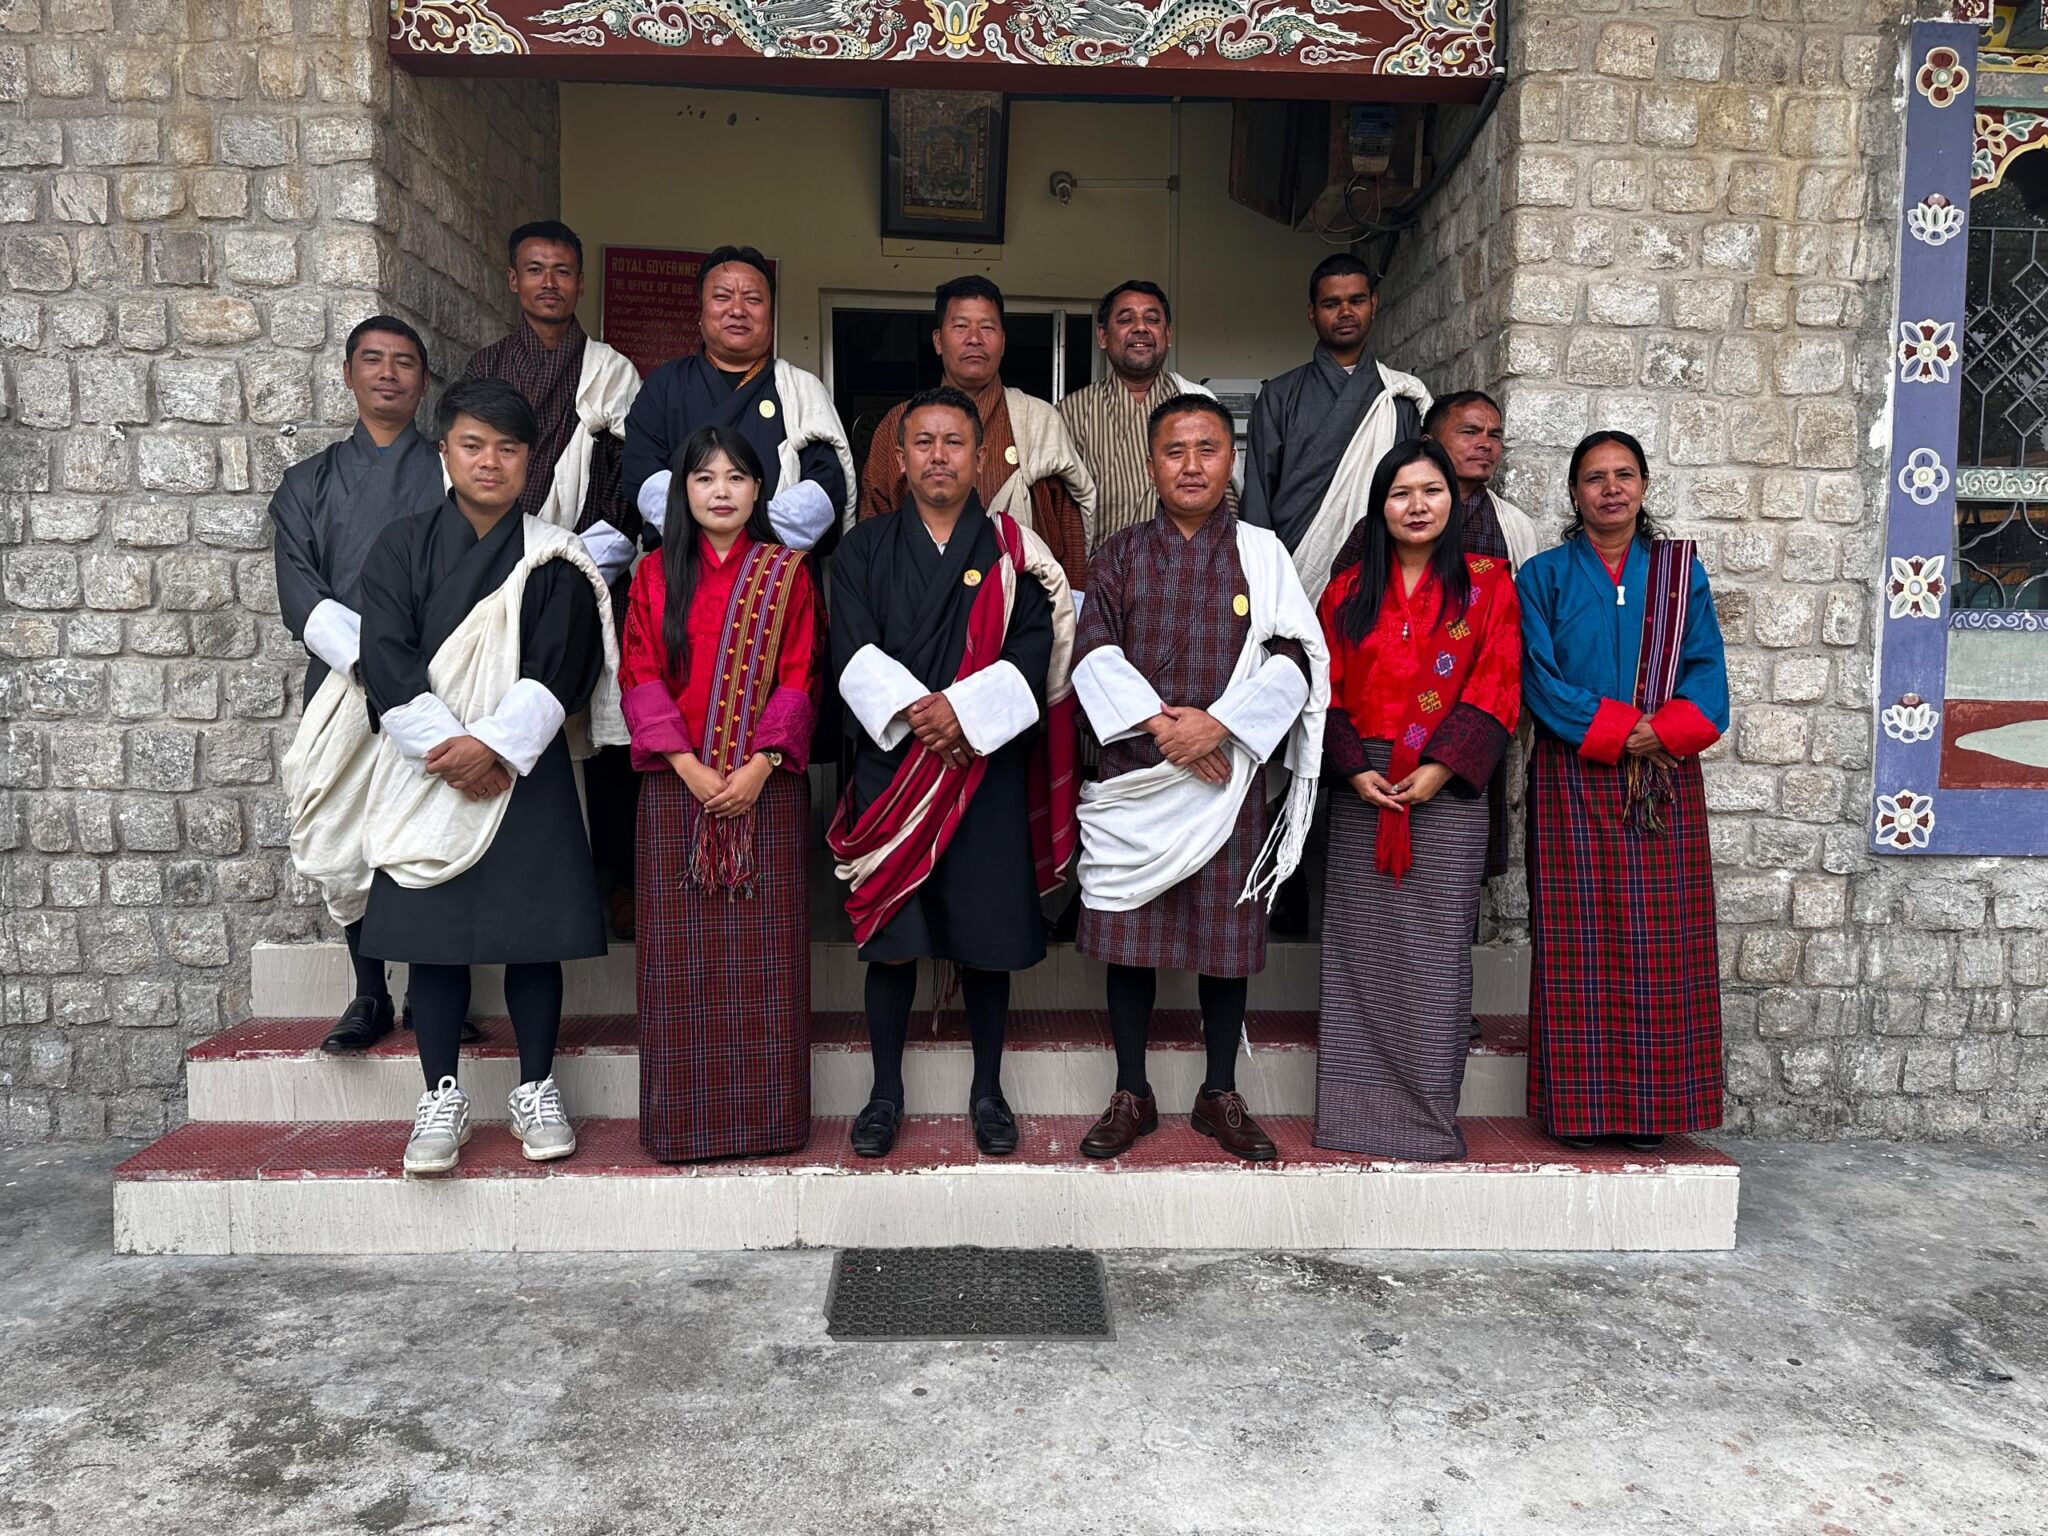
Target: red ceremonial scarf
(1438, 657)
(722, 858)
(912, 822)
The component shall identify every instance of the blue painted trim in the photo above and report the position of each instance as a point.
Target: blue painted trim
(1913, 650)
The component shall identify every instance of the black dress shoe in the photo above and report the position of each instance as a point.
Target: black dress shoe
(362, 1024)
(874, 1129)
(1577, 1143)
(1643, 1143)
(995, 1128)
(1473, 1031)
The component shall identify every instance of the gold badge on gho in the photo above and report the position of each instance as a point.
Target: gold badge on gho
(971, 579)
(1240, 605)
(768, 409)
(1010, 454)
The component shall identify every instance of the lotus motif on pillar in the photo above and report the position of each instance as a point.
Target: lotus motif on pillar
(1911, 719)
(1934, 220)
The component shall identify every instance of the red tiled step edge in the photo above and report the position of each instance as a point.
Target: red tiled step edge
(1045, 1030)
(219, 1150)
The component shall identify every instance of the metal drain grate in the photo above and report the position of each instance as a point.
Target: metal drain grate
(886, 1295)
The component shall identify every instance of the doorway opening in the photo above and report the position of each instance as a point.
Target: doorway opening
(878, 353)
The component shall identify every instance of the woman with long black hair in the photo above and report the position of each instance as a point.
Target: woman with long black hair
(1628, 686)
(1425, 689)
(720, 678)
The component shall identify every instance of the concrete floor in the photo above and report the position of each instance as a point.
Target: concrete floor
(1873, 1359)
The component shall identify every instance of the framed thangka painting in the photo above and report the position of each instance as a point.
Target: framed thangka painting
(1962, 708)
(945, 158)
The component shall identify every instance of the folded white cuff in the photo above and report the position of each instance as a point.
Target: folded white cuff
(994, 706)
(1261, 709)
(653, 498)
(335, 635)
(520, 728)
(878, 688)
(1078, 595)
(610, 549)
(800, 514)
(419, 726)
(1114, 694)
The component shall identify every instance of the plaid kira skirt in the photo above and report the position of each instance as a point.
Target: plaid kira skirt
(725, 985)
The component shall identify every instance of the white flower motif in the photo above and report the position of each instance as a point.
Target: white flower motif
(1916, 585)
(1911, 719)
(1923, 477)
(1905, 820)
(1934, 220)
(1927, 350)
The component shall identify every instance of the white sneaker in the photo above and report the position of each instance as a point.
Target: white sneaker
(540, 1122)
(440, 1126)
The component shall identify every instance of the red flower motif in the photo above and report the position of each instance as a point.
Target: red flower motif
(1942, 77)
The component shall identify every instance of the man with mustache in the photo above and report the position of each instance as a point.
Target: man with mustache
(951, 632)
(580, 390)
(328, 511)
(1030, 467)
(1110, 418)
(1318, 432)
(1200, 656)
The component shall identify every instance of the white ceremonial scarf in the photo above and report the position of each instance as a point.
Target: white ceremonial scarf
(326, 775)
(420, 829)
(1045, 451)
(1517, 528)
(605, 392)
(1344, 502)
(1142, 833)
(809, 416)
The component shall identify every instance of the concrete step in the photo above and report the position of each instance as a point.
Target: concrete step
(324, 1188)
(313, 980)
(1055, 1063)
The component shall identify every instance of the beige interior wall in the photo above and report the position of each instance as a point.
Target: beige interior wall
(799, 176)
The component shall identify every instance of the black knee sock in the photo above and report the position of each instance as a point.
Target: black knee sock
(533, 996)
(986, 997)
(891, 989)
(440, 1002)
(1222, 1024)
(1131, 991)
(370, 980)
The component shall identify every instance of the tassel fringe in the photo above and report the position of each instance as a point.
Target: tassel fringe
(1284, 844)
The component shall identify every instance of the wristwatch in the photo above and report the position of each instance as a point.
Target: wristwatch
(774, 758)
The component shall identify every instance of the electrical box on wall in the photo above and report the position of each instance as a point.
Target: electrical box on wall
(1309, 164)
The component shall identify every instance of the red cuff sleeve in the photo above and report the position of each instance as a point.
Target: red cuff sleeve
(1608, 733)
(656, 726)
(1684, 731)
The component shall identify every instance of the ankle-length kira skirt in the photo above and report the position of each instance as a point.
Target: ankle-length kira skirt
(724, 985)
(1397, 978)
(1625, 972)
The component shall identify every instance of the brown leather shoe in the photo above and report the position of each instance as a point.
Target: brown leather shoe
(1127, 1118)
(1224, 1116)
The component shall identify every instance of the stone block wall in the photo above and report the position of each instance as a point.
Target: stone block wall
(196, 204)
(1686, 231)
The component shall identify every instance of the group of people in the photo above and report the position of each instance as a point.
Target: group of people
(1058, 643)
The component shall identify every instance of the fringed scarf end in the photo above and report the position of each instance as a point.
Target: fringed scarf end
(1281, 855)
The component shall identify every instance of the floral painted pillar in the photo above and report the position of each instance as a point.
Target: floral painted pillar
(1953, 775)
